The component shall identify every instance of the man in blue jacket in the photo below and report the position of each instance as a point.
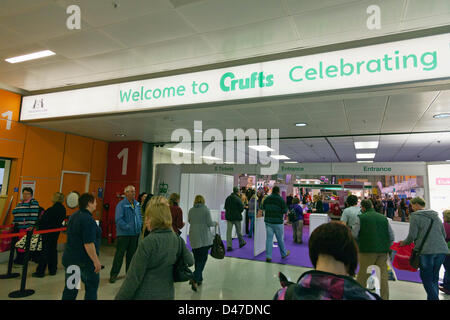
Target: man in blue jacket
(128, 229)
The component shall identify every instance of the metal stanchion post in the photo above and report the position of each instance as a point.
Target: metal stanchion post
(9, 274)
(24, 292)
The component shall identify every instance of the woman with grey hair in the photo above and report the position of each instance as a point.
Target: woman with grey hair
(52, 218)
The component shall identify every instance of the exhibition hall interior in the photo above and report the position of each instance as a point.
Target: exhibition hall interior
(116, 112)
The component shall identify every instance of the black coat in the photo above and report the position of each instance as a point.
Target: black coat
(233, 208)
(53, 217)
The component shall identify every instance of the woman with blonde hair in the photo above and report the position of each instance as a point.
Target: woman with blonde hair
(200, 237)
(150, 275)
(52, 218)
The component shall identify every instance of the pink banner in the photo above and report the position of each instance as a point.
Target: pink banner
(443, 181)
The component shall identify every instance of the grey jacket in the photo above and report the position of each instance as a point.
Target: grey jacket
(418, 226)
(199, 218)
(150, 275)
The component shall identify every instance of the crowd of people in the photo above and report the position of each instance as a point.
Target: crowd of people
(149, 228)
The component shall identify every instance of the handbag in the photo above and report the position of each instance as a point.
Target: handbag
(218, 248)
(35, 243)
(414, 260)
(181, 271)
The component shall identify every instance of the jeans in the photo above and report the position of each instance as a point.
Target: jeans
(91, 281)
(446, 283)
(430, 264)
(126, 244)
(278, 229)
(403, 215)
(237, 225)
(252, 224)
(390, 213)
(200, 257)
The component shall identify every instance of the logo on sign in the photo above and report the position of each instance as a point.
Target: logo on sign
(38, 106)
(443, 181)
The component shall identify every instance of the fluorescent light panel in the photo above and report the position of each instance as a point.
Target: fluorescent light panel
(31, 56)
(366, 145)
(369, 161)
(365, 155)
(290, 162)
(210, 158)
(301, 124)
(261, 148)
(180, 150)
(442, 115)
(279, 157)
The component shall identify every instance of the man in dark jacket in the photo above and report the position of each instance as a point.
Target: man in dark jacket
(374, 236)
(274, 210)
(233, 215)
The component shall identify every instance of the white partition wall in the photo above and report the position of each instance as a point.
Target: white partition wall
(316, 219)
(213, 187)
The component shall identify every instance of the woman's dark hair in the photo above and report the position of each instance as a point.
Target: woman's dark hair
(352, 200)
(27, 189)
(139, 199)
(84, 199)
(336, 240)
(295, 200)
(147, 199)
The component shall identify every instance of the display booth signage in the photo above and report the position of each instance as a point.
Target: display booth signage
(410, 60)
(379, 168)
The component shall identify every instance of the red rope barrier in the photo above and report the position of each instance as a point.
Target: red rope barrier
(21, 234)
(6, 227)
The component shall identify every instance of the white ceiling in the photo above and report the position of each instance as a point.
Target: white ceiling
(143, 36)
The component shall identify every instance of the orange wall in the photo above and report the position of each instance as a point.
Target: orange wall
(41, 155)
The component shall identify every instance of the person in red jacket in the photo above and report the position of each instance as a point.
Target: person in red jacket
(177, 213)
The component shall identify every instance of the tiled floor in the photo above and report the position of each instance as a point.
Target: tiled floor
(228, 279)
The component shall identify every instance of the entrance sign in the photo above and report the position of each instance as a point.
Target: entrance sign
(394, 62)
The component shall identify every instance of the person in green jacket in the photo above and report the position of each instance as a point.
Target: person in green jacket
(233, 215)
(274, 209)
(374, 236)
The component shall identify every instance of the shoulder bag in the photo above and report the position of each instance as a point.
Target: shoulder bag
(181, 271)
(414, 260)
(218, 248)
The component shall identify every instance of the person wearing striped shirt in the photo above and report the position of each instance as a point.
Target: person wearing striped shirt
(26, 214)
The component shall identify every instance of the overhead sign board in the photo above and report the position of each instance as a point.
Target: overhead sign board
(394, 62)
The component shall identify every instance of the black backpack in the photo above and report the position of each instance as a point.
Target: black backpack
(218, 248)
(292, 216)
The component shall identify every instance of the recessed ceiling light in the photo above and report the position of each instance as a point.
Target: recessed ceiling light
(365, 155)
(120, 135)
(366, 145)
(365, 161)
(261, 148)
(279, 157)
(442, 115)
(290, 162)
(301, 124)
(180, 150)
(31, 56)
(210, 158)
(229, 162)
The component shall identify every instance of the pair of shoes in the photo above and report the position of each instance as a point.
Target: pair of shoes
(37, 275)
(241, 245)
(268, 260)
(287, 254)
(193, 285)
(52, 273)
(444, 290)
(229, 249)
(112, 279)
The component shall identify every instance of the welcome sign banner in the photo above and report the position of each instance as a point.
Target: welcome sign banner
(418, 59)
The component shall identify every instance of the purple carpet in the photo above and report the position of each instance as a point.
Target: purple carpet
(299, 254)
